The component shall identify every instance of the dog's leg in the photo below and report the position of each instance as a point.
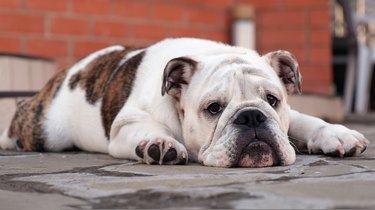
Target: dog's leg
(318, 136)
(148, 141)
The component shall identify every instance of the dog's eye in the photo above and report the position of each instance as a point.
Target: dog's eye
(214, 108)
(272, 100)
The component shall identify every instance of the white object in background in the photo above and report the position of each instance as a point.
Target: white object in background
(243, 26)
(244, 33)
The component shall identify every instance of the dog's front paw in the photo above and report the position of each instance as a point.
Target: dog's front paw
(337, 141)
(162, 151)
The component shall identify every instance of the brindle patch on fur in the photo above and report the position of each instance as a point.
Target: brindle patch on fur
(118, 90)
(74, 80)
(94, 77)
(26, 127)
(104, 79)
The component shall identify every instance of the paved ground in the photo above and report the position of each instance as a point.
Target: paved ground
(84, 181)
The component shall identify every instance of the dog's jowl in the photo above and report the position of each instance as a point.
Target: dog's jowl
(178, 100)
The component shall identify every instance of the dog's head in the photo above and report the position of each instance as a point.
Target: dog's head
(233, 107)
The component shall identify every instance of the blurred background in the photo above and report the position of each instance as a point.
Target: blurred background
(331, 39)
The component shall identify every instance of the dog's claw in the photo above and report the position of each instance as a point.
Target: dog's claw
(363, 149)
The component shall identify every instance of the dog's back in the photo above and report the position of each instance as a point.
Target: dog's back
(49, 120)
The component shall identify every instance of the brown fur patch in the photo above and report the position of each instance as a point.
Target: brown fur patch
(104, 79)
(101, 79)
(74, 80)
(26, 126)
(118, 90)
(94, 78)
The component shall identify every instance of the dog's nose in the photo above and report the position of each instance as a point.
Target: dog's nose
(250, 118)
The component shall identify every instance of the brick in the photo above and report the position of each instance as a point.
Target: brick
(47, 48)
(21, 23)
(298, 52)
(281, 38)
(282, 19)
(91, 7)
(149, 31)
(137, 43)
(317, 88)
(69, 26)
(218, 4)
(111, 29)
(307, 4)
(177, 31)
(321, 73)
(131, 9)
(84, 48)
(10, 4)
(43, 5)
(10, 45)
(320, 55)
(262, 4)
(320, 19)
(168, 13)
(189, 2)
(320, 37)
(218, 35)
(208, 17)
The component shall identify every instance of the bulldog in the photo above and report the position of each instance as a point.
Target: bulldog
(178, 100)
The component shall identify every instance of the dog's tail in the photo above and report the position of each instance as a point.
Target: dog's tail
(6, 142)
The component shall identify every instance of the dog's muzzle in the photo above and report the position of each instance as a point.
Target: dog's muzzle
(256, 148)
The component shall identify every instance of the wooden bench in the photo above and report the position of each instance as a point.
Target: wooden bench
(20, 76)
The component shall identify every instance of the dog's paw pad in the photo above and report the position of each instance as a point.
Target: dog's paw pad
(162, 151)
(140, 148)
(363, 149)
(139, 151)
(154, 152)
(170, 155)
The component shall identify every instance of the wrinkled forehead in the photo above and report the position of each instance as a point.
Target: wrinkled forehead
(238, 74)
(235, 67)
(254, 62)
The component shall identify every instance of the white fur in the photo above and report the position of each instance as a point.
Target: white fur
(151, 71)
(146, 104)
(324, 137)
(71, 120)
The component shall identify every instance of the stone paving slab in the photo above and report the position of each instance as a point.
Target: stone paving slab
(78, 180)
(16, 200)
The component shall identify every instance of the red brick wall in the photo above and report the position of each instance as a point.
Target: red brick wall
(67, 30)
(303, 28)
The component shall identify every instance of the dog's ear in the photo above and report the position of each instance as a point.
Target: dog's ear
(177, 75)
(286, 66)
